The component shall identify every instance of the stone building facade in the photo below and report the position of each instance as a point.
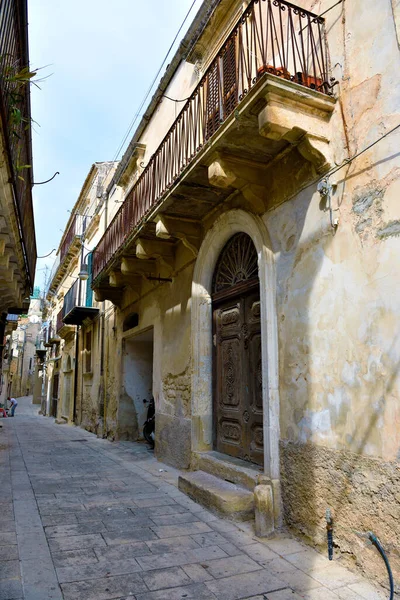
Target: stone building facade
(17, 231)
(72, 317)
(250, 277)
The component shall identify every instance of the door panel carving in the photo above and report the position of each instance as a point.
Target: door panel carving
(238, 409)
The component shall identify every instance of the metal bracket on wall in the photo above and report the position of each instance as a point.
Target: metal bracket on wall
(325, 189)
(159, 279)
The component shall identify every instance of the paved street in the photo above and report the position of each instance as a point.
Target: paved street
(87, 519)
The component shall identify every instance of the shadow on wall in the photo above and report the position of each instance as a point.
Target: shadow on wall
(337, 378)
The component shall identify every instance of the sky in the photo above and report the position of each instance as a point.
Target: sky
(97, 60)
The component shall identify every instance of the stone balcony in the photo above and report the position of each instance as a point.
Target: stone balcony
(252, 133)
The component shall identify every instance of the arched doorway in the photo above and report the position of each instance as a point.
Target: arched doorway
(237, 360)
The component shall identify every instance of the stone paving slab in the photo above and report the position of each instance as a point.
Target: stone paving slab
(86, 519)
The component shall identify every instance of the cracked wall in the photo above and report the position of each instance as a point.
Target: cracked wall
(339, 310)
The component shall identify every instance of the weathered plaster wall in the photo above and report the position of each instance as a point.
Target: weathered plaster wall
(166, 310)
(339, 309)
(137, 385)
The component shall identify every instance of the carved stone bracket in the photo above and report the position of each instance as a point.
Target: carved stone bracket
(162, 251)
(188, 233)
(114, 296)
(128, 169)
(139, 267)
(119, 280)
(301, 118)
(146, 249)
(228, 171)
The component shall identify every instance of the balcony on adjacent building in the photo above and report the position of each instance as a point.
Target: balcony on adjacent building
(78, 304)
(51, 336)
(71, 243)
(16, 179)
(63, 330)
(260, 112)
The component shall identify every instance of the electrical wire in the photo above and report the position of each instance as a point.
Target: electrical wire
(175, 100)
(152, 83)
(330, 8)
(350, 160)
(46, 255)
(347, 161)
(137, 114)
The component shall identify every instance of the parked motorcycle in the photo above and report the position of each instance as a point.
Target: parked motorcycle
(149, 424)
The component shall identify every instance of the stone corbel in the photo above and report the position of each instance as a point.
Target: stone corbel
(317, 151)
(7, 276)
(118, 280)
(4, 239)
(301, 119)
(5, 260)
(245, 176)
(187, 233)
(114, 296)
(163, 252)
(135, 266)
(138, 152)
(146, 249)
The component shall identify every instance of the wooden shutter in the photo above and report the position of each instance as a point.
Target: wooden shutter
(89, 291)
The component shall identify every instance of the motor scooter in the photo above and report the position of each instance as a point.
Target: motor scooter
(149, 424)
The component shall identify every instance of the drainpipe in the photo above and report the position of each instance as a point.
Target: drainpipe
(329, 532)
(105, 395)
(76, 369)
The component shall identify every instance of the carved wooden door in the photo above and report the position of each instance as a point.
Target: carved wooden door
(238, 410)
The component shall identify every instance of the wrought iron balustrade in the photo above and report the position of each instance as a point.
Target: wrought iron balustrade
(15, 119)
(77, 304)
(272, 36)
(75, 231)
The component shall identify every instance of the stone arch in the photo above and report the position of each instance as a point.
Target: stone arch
(229, 223)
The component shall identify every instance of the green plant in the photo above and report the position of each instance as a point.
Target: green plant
(15, 81)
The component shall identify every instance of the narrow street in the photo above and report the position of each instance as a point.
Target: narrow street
(87, 519)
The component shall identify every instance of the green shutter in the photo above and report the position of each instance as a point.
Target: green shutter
(89, 291)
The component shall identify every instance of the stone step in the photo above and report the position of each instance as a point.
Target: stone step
(228, 499)
(229, 468)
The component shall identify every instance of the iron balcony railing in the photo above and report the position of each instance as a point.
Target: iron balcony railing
(272, 36)
(78, 304)
(15, 120)
(71, 298)
(75, 231)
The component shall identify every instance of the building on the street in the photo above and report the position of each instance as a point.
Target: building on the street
(73, 325)
(249, 279)
(17, 232)
(22, 339)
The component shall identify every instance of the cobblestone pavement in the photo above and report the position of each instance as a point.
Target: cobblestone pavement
(86, 519)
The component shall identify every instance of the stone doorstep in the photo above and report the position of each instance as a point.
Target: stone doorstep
(233, 470)
(228, 499)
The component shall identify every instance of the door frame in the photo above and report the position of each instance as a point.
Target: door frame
(229, 223)
(238, 291)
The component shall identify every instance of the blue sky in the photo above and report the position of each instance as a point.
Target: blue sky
(102, 57)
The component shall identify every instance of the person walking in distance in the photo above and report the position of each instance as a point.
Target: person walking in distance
(14, 405)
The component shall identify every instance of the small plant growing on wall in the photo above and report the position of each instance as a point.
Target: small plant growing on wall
(14, 81)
